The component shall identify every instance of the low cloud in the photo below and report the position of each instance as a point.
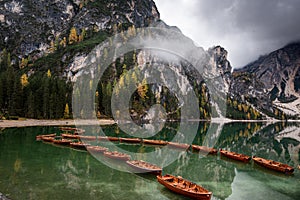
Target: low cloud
(247, 29)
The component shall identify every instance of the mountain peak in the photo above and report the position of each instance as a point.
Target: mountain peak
(28, 26)
(272, 81)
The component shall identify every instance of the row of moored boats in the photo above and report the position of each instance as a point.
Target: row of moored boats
(176, 184)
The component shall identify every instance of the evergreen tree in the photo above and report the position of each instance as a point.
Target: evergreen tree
(17, 99)
(10, 82)
(2, 91)
(46, 97)
(30, 112)
(4, 61)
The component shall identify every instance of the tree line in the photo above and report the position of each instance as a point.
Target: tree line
(40, 96)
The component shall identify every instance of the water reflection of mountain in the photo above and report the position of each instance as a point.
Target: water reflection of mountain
(257, 186)
(269, 141)
(35, 170)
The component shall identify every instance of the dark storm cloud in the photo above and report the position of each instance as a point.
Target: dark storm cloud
(264, 18)
(246, 28)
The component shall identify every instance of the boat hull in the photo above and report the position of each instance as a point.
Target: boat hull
(80, 146)
(235, 156)
(204, 149)
(96, 149)
(62, 142)
(88, 138)
(155, 142)
(205, 195)
(39, 137)
(130, 140)
(153, 169)
(70, 136)
(47, 139)
(178, 145)
(107, 139)
(273, 165)
(122, 157)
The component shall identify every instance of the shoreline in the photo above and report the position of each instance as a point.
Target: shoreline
(83, 122)
(68, 122)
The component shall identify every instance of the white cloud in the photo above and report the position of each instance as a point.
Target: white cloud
(247, 29)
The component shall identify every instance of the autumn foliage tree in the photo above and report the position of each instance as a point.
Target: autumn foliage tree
(73, 37)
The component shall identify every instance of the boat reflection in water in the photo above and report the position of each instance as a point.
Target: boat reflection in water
(77, 173)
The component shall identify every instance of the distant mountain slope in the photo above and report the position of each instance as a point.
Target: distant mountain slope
(272, 83)
(31, 25)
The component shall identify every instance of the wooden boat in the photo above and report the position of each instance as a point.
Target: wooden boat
(130, 140)
(47, 139)
(235, 156)
(65, 142)
(184, 187)
(39, 137)
(112, 139)
(70, 136)
(271, 164)
(116, 155)
(155, 142)
(144, 167)
(96, 149)
(179, 145)
(204, 149)
(88, 137)
(79, 132)
(79, 145)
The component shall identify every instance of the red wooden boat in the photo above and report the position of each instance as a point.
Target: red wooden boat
(47, 139)
(88, 137)
(117, 155)
(204, 149)
(235, 156)
(79, 145)
(96, 149)
(130, 140)
(155, 142)
(39, 137)
(70, 136)
(79, 132)
(184, 187)
(112, 139)
(179, 145)
(274, 165)
(144, 167)
(65, 142)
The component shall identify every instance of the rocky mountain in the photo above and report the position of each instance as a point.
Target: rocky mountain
(44, 44)
(271, 83)
(29, 26)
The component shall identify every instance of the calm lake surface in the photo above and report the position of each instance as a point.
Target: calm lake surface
(36, 170)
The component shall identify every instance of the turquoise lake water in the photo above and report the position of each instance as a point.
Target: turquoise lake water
(37, 170)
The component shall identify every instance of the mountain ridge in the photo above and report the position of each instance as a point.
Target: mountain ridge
(43, 43)
(272, 81)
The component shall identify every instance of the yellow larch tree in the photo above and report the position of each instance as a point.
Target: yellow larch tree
(24, 80)
(73, 37)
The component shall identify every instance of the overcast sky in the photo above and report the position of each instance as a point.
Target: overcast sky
(246, 28)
